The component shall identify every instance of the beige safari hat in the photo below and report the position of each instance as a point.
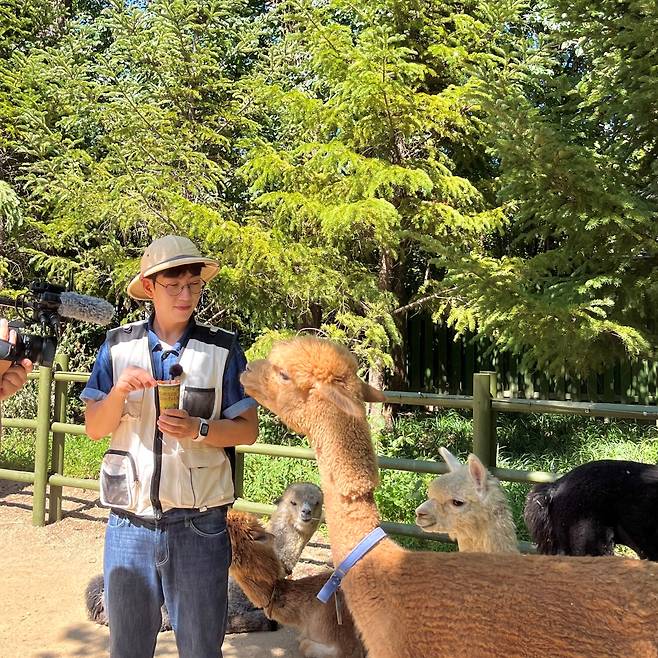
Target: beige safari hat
(166, 252)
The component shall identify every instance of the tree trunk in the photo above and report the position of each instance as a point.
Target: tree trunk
(389, 280)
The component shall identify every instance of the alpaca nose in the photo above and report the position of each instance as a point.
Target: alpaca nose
(306, 514)
(422, 513)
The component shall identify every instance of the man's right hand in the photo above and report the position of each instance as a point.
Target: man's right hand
(134, 379)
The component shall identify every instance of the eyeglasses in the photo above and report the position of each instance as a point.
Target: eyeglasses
(175, 289)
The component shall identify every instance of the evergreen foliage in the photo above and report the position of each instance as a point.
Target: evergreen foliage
(486, 162)
(374, 162)
(571, 111)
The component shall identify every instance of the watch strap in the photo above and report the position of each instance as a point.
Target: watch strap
(201, 437)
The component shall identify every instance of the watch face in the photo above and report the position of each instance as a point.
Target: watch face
(203, 430)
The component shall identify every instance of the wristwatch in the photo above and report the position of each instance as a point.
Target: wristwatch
(204, 428)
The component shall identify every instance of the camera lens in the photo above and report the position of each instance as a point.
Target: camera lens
(38, 349)
(32, 348)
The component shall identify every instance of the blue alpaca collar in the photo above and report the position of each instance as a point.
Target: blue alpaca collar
(367, 543)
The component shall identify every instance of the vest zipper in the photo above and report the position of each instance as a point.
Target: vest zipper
(192, 487)
(157, 438)
(157, 454)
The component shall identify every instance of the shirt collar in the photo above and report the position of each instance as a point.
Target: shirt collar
(154, 341)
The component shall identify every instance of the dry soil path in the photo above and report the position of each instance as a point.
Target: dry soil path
(43, 575)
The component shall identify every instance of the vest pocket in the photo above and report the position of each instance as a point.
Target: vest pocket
(119, 481)
(195, 455)
(199, 402)
(132, 407)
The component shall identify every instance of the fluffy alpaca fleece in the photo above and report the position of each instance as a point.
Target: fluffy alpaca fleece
(595, 506)
(293, 602)
(294, 521)
(296, 518)
(433, 605)
(469, 504)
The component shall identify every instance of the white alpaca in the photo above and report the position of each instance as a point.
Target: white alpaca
(469, 504)
(411, 604)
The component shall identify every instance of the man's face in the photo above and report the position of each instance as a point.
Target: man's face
(168, 305)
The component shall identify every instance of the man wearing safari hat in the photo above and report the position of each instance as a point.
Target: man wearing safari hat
(167, 475)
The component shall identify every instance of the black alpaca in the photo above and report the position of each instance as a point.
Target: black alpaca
(595, 506)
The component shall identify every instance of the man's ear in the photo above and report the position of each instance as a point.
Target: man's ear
(148, 286)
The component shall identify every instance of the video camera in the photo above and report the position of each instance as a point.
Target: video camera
(48, 305)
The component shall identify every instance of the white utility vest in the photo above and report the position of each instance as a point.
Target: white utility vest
(145, 475)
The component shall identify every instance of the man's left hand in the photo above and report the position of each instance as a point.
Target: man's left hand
(178, 424)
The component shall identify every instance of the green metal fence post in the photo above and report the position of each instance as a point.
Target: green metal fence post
(482, 420)
(57, 452)
(493, 440)
(41, 447)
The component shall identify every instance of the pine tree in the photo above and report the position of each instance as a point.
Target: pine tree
(572, 113)
(372, 162)
(120, 130)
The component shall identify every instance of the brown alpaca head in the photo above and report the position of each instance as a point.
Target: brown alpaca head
(313, 386)
(307, 375)
(254, 557)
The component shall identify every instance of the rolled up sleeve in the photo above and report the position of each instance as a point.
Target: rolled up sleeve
(101, 380)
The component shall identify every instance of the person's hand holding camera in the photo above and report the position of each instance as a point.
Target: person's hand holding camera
(12, 375)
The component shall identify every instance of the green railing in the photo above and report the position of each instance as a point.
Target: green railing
(48, 475)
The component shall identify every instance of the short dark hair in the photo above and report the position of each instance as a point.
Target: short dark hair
(192, 268)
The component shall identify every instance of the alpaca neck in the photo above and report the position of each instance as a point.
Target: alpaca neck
(348, 471)
(493, 534)
(483, 544)
(289, 545)
(258, 591)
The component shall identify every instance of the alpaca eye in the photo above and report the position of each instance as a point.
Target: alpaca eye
(293, 502)
(457, 503)
(283, 376)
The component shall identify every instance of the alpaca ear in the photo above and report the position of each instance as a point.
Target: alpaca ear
(339, 397)
(371, 394)
(479, 475)
(453, 463)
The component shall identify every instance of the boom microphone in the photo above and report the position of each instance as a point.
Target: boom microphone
(87, 309)
(48, 304)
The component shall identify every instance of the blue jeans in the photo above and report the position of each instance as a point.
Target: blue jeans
(182, 561)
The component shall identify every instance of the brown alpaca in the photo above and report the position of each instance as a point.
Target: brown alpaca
(260, 574)
(469, 504)
(431, 605)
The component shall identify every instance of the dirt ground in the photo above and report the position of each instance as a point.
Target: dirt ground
(43, 575)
